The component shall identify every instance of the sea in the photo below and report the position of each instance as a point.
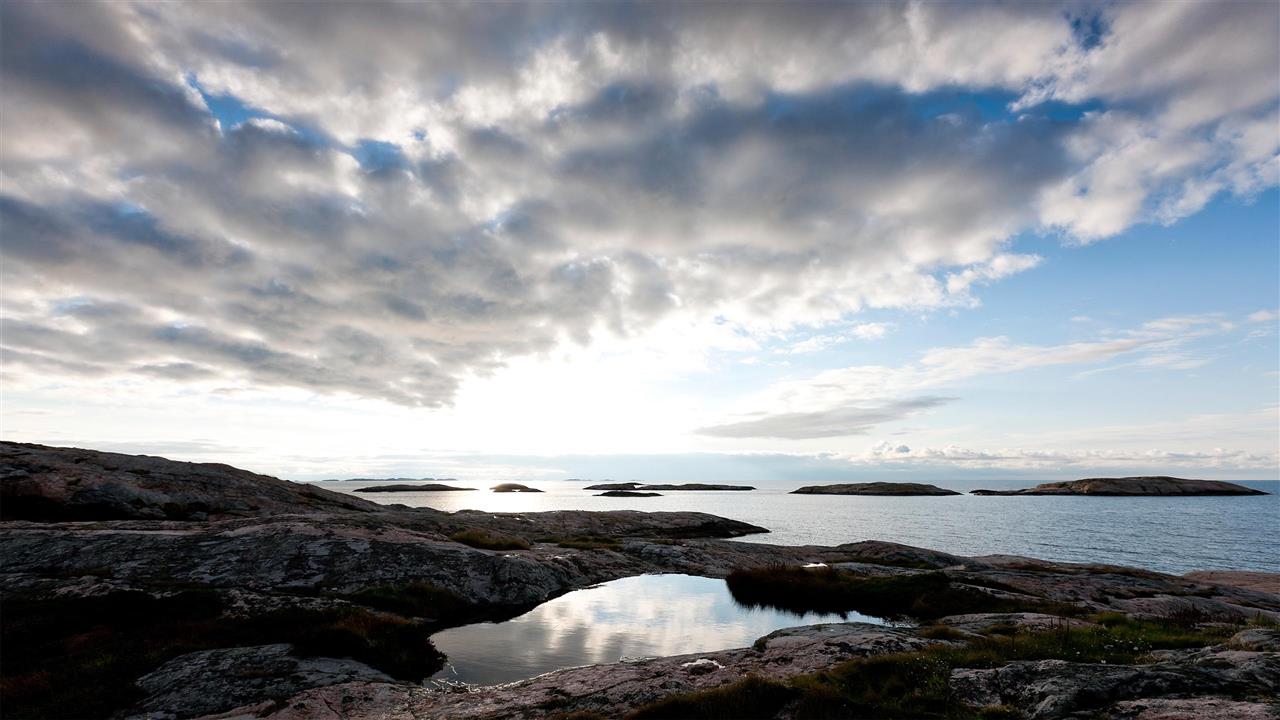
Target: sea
(1167, 534)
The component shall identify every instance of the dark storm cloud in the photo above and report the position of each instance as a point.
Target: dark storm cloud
(383, 199)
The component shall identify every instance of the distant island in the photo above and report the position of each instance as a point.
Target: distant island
(417, 487)
(627, 493)
(394, 480)
(874, 488)
(513, 487)
(685, 486)
(1158, 485)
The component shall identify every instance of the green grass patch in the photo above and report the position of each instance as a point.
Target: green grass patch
(940, 632)
(392, 644)
(751, 698)
(489, 540)
(414, 599)
(1263, 621)
(925, 596)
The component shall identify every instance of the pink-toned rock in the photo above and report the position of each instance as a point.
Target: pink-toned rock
(1193, 709)
(1034, 622)
(1249, 579)
(55, 484)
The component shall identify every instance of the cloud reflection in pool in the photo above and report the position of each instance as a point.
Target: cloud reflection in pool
(649, 615)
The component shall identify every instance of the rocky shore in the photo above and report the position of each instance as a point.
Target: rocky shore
(137, 586)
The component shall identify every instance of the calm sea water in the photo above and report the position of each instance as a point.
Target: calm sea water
(633, 617)
(1170, 534)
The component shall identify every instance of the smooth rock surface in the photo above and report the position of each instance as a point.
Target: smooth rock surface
(212, 681)
(1058, 689)
(1248, 579)
(64, 484)
(1193, 709)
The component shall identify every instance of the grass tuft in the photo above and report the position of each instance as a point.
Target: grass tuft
(940, 632)
(747, 699)
(489, 540)
(414, 599)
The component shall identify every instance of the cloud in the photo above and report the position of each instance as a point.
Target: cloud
(849, 397)
(1192, 113)
(1217, 441)
(1023, 458)
(834, 422)
(404, 196)
(860, 331)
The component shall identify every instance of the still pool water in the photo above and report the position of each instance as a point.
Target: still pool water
(644, 616)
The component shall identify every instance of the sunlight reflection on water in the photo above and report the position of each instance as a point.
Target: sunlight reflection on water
(648, 615)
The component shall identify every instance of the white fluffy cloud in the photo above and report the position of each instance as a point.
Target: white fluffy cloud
(852, 400)
(1206, 442)
(386, 199)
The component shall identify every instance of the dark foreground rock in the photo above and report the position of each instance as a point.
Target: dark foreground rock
(1058, 688)
(874, 488)
(421, 487)
(1131, 486)
(213, 681)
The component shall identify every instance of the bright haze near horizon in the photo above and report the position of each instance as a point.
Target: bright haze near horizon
(695, 241)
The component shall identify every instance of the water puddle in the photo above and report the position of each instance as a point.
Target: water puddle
(644, 616)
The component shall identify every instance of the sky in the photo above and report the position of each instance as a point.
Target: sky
(669, 241)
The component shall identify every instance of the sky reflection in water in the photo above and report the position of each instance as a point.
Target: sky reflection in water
(649, 615)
